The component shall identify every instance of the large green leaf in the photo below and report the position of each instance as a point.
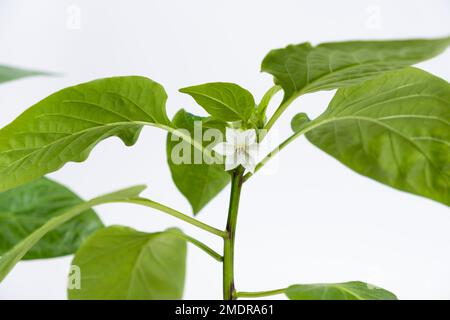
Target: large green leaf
(354, 290)
(26, 208)
(303, 68)
(68, 124)
(10, 73)
(10, 258)
(394, 129)
(198, 181)
(223, 100)
(120, 263)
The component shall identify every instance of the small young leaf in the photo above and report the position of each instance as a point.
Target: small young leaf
(10, 258)
(224, 101)
(299, 121)
(302, 68)
(10, 73)
(198, 182)
(120, 263)
(354, 290)
(394, 129)
(26, 208)
(68, 124)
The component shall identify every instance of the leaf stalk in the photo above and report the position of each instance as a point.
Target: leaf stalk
(177, 214)
(258, 294)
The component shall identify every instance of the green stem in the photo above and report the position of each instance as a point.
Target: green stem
(258, 294)
(176, 214)
(228, 248)
(266, 159)
(198, 244)
(284, 104)
(282, 145)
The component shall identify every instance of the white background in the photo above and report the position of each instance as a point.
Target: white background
(314, 220)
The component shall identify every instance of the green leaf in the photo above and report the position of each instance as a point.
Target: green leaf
(10, 73)
(198, 182)
(67, 125)
(224, 101)
(10, 258)
(302, 68)
(120, 263)
(354, 290)
(28, 207)
(394, 129)
(299, 121)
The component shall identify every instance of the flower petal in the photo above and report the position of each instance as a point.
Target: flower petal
(250, 136)
(250, 165)
(231, 135)
(253, 150)
(241, 157)
(231, 162)
(250, 162)
(224, 148)
(241, 138)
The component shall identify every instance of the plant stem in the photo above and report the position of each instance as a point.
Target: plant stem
(284, 104)
(228, 248)
(258, 294)
(198, 244)
(274, 152)
(176, 214)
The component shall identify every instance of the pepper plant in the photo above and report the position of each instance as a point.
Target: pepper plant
(387, 121)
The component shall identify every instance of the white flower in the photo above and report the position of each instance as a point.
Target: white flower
(240, 148)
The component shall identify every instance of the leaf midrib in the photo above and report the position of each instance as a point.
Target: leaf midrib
(139, 257)
(137, 261)
(218, 101)
(310, 84)
(79, 133)
(331, 120)
(342, 288)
